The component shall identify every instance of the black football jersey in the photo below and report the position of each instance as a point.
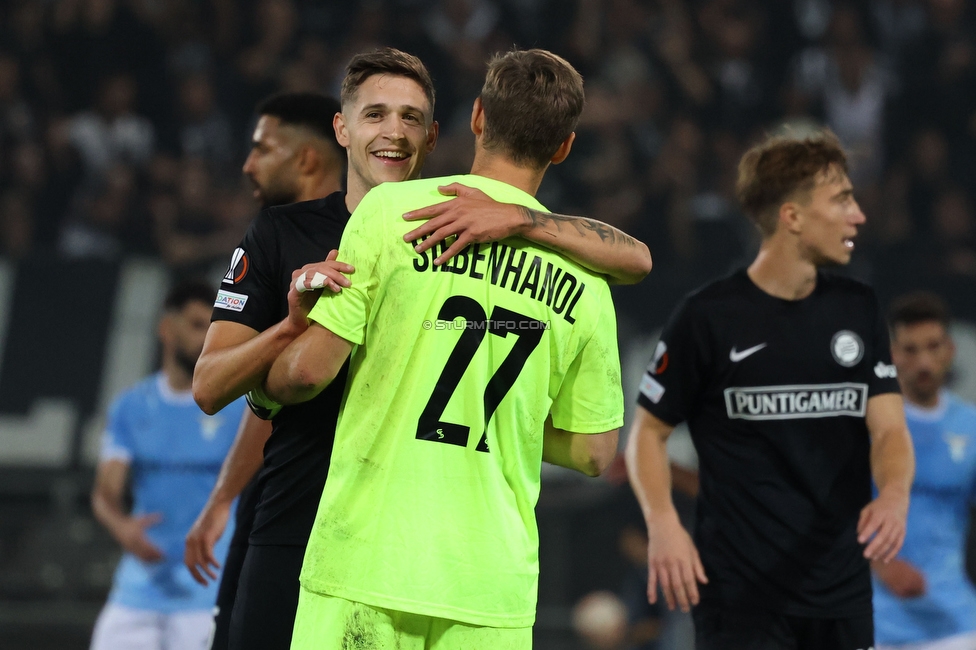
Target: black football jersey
(775, 394)
(254, 292)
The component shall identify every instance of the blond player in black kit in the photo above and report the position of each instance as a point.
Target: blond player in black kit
(783, 374)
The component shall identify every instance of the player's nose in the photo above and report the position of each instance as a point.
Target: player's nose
(248, 166)
(395, 128)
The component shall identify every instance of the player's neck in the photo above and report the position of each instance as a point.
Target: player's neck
(356, 189)
(500, 168)
(317, 187)
(178, 379)
(782, 273)
(925, 402)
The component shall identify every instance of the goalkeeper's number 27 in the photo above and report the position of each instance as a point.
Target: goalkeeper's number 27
(430, 426)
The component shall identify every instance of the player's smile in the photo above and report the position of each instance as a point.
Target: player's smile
(393, 157)
(388, 131)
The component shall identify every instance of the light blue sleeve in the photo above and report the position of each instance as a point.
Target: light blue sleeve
(117, 441)
(966, 421)
(972, 443)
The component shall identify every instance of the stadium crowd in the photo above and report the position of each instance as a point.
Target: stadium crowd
(123, 123)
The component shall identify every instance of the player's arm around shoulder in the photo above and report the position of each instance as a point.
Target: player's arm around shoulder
(476, 218)
(882, 522)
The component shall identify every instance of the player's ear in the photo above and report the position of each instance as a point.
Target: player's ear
(308, 159)
(563, 151)
(432, 132)
(477, 118)
(342, 134)
(790, 217)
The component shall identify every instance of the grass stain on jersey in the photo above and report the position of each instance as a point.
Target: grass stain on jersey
(369, 463)
(360, 632)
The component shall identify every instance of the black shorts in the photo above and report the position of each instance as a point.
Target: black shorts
(267, 598)
(718, 629)
(227, 592)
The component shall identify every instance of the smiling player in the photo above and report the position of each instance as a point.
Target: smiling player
(386, 126)
(462, 381)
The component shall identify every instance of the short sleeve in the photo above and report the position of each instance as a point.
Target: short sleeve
(347, 312)
(972, 491)
(970, 415)
(883, 376)
(672, 382)
(590, 399)
(117, 441)
(250, 291)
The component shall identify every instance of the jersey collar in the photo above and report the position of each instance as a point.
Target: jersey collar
(933, 414)
(170, 396)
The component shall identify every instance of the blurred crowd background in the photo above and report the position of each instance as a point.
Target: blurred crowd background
(124, 124)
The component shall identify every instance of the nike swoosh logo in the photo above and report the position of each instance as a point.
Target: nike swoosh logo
(736, 357)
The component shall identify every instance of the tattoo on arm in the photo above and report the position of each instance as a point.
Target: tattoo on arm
(583, 226)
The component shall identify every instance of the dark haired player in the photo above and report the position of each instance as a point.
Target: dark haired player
(158, 439)
(294, 158)
(386, 125)
(781, 372)
(923, 599)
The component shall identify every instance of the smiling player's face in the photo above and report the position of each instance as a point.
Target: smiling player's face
(388, 131)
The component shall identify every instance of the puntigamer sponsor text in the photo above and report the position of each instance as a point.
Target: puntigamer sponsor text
(796, 402)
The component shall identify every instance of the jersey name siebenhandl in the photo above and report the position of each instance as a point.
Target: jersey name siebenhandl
(545, 282)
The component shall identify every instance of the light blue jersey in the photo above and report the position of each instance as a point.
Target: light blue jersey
(174, 451)
(945, 485)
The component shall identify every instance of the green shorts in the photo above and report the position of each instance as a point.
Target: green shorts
(330, 623)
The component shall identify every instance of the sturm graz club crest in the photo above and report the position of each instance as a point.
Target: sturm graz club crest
(238, 267)
(847, 348)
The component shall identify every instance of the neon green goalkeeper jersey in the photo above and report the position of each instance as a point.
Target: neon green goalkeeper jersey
(429, 503)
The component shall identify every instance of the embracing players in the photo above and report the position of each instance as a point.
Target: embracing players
(386, 124)
(462, 381)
